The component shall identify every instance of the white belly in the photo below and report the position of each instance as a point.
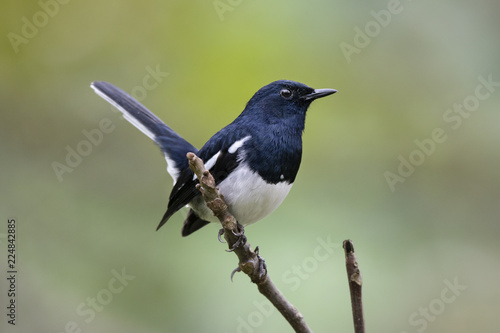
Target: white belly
(248, 196)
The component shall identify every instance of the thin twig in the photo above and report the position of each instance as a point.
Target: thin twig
(249, 260)
(355, 284)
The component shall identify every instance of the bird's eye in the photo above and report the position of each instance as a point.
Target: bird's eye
(285, 93)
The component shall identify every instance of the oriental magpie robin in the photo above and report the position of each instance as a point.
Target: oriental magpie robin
(254, 160)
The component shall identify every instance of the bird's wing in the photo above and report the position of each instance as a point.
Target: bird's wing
(172, 144)
(221, 155)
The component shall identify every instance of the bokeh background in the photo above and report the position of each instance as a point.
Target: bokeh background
(427, 244)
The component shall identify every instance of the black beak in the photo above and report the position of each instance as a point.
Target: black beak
(318, 93)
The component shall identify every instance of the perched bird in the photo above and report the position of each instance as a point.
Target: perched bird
(254, 160)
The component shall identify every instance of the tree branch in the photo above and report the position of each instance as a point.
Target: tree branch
(355, 284)
(249, 261)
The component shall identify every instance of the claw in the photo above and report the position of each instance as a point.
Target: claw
(237, 269)
(242, 239)
(221, 232)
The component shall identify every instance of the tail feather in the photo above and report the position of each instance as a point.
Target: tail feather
(192, 223)
(172, 144)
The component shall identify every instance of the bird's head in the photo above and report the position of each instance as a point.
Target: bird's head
(284, 99)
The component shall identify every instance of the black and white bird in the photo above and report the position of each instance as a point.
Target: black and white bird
(254, 159)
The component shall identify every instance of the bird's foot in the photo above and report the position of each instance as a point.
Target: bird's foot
(260, 270)
(241, 238)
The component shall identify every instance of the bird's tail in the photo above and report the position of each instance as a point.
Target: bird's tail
(172, 144)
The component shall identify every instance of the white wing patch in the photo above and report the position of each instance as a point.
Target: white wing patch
(234, 147)
(237, 145)
(210, 163)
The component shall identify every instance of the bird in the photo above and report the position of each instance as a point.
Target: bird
(254, 160)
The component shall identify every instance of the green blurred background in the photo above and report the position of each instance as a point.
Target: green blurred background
(398, 83)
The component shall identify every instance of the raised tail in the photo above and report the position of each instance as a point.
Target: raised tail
(172, 144)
